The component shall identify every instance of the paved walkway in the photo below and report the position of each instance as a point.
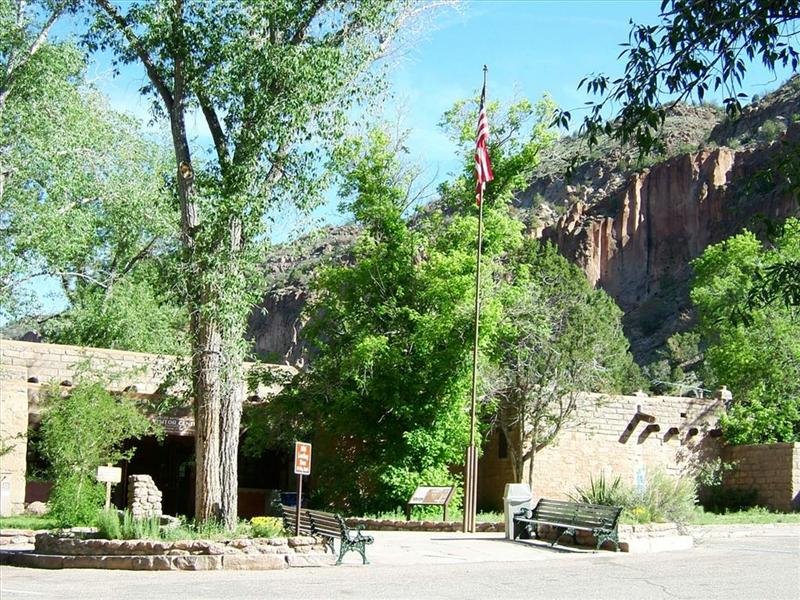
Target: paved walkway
(429, 548)
(728, 564)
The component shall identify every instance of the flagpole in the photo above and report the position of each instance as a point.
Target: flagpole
(471, 479)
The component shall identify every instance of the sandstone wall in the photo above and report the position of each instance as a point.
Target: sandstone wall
(13, 439)
(773, 470)
(607, 437)
(637, 244)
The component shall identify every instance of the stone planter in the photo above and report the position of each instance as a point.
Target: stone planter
(77, 551)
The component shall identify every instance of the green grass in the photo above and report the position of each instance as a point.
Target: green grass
(755, 516)
(27, 522)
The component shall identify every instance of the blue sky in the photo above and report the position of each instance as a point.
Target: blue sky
(531, 47)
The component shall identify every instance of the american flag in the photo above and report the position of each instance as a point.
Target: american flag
(483, 166)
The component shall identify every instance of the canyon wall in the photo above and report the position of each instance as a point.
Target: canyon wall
(638, 243)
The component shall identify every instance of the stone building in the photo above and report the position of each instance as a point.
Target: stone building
(25, 367)
(624, 436)
(629, 436)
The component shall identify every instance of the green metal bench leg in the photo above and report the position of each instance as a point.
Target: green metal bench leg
(604, 536)
(342, 549)
(563, 532)
(363, 551)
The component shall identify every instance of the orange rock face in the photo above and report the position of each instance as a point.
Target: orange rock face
(638, 244)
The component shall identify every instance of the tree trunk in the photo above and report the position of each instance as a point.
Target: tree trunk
(231, 417)
(233, 388)
(207, 403)
(534, 442)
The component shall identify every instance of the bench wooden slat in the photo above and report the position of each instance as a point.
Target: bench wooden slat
(571, 516)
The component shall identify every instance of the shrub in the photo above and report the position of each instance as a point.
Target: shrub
(75, 499)
(714, 496)
(79, 432)
(147, 528)
(601, 492)
(108, 526)
(662, 498)
(111, 526)
(266, 527)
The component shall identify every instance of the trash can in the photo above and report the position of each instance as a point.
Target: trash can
(516, 497)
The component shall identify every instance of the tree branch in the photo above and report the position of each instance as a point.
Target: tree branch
(11, 68)
(300, 33)
(215, 127)
(136, 44)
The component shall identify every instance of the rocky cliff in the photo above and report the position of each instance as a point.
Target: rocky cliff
(637, 244)
(632, 225)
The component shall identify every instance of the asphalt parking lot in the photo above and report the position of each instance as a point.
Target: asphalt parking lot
(726, 563)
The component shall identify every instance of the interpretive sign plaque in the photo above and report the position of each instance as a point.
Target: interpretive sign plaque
(109, 475)
(430, 496)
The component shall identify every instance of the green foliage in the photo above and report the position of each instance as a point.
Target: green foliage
(79, 432)
(770, 131)
(75, 499)
(558, 338)
(133, 315)
(753, 515)
(27, 522)
(266, 527)
(83, 206)
(757, 358)
(678, 370)
(697, 47)
(276, 83)
(600, 491)
(390, 380)
(142, 528)
(390, 384)
(111, 525)
(108, 525)
(663, 498)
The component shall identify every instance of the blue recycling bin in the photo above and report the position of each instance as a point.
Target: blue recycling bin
(290, 499)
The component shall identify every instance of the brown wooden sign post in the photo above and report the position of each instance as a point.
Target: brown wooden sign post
(302, 466)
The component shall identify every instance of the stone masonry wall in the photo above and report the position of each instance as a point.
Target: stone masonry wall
(13, 439)
(607, 437)
(144, 498)
(773, 470)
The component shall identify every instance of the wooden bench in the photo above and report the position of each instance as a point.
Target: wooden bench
(568, 518)
(329, 527)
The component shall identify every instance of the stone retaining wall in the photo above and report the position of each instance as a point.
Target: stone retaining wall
(62, 552)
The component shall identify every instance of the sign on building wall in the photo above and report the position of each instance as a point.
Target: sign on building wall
(179, 426)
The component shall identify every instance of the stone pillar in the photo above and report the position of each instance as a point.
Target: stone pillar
(144, 498)
(13, 438)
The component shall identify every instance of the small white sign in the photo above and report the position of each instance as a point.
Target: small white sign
(302, 458)
(109, 474)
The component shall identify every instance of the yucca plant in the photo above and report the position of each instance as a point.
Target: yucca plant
(600, 491)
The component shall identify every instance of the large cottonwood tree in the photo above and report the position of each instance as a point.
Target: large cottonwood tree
(274, 83)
